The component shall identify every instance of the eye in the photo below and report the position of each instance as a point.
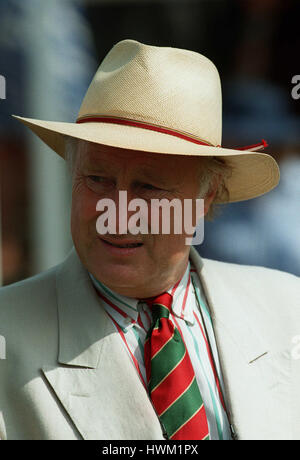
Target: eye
(96, 179)
(99, 184)
(150, 187)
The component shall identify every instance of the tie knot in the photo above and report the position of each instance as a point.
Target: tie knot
(160, 305)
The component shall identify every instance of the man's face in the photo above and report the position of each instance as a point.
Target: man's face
(160, 259)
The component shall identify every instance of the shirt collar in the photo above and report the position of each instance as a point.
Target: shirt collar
(129, 307)
(183, 297)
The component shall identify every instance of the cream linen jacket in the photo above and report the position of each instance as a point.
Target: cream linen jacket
(67, 374)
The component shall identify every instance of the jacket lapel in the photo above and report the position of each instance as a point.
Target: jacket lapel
(89, 379)
(256, 378)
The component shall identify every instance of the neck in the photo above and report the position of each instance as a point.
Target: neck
(153, 288)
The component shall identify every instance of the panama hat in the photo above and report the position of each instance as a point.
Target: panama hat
(161, 100)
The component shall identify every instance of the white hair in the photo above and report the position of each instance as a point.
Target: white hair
(211, 170)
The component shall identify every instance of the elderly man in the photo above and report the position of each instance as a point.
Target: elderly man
(134, 336)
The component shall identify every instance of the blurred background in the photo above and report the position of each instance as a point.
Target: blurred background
(49, 52)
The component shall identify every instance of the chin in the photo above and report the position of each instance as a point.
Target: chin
(117, 276)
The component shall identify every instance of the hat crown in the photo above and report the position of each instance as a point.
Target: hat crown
(173, 88)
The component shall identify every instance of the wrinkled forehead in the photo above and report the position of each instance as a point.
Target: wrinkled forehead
(98, 153)
(102, 156)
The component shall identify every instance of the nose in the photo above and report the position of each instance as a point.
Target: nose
(131, 214)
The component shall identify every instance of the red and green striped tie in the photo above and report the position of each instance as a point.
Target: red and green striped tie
(171, 378)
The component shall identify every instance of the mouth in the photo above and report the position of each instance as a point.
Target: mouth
(129, 245)
(121, 247)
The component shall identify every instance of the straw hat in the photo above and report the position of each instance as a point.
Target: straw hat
(163, 100)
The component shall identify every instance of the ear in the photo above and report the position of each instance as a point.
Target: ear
(209, 197)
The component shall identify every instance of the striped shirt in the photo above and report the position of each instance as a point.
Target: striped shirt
(132, 319)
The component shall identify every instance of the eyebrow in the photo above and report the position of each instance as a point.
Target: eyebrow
(95, 165)
(152, 176)
(147, 173)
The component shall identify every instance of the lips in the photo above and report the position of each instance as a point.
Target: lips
(123, 245)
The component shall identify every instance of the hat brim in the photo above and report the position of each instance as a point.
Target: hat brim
(253, 173)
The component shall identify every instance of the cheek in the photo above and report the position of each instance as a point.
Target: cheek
(83, 207)
(165, 247)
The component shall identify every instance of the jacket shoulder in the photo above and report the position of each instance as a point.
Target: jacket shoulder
(265, 298)
(29, 288)
(28, 305)
(270, 289)
(258, 277)
(254, 273)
